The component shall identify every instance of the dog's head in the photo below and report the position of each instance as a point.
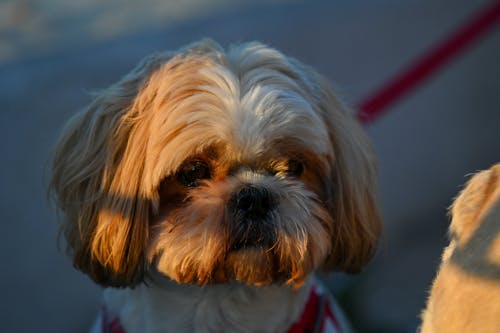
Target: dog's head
(213, 166)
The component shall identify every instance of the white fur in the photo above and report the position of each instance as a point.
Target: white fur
(165, 306)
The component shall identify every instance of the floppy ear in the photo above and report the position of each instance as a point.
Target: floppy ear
(352, 187)
(353, 196)
(97, 171)
(474, 202)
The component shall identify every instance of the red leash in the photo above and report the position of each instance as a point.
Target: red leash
(484, 21)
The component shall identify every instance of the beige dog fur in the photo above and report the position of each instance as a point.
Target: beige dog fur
(465, 296)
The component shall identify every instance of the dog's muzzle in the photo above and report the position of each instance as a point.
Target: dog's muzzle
(250, 223)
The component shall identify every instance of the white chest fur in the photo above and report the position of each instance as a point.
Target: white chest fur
(169, 307)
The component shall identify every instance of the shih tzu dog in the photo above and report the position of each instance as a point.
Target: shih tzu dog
(465, 296)
(207, 186)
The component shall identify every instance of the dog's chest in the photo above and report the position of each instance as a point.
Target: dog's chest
(233, 308)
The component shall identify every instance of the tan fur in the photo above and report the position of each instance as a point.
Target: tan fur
(246, 113)
(465, 296)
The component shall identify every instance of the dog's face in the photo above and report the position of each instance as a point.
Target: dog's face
(213, 166)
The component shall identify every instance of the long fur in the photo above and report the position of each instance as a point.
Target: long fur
(248, 113)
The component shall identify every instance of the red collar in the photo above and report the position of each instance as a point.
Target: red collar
(318, 317)
(110, 324)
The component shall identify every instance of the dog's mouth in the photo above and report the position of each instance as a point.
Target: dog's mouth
(251, 234)
(248, 245)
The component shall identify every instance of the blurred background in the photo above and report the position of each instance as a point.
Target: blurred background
(53, 53)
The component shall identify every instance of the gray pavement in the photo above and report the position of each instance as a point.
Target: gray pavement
(427, 143)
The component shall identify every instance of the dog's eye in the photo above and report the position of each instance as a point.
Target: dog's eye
(192, 171)
(295, 168)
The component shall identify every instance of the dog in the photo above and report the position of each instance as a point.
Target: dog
(465, 295)
(206, 187)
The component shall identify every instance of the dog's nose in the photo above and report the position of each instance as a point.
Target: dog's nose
(252, 225)
(253, 202)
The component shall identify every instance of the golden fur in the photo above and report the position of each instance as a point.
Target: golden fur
(465, 296)
(249, 114)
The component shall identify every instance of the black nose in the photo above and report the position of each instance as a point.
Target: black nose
(253, 202)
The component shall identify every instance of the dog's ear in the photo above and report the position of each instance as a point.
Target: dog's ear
(474, 202)
(353, 194)
(96, 175)
(351, 186)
